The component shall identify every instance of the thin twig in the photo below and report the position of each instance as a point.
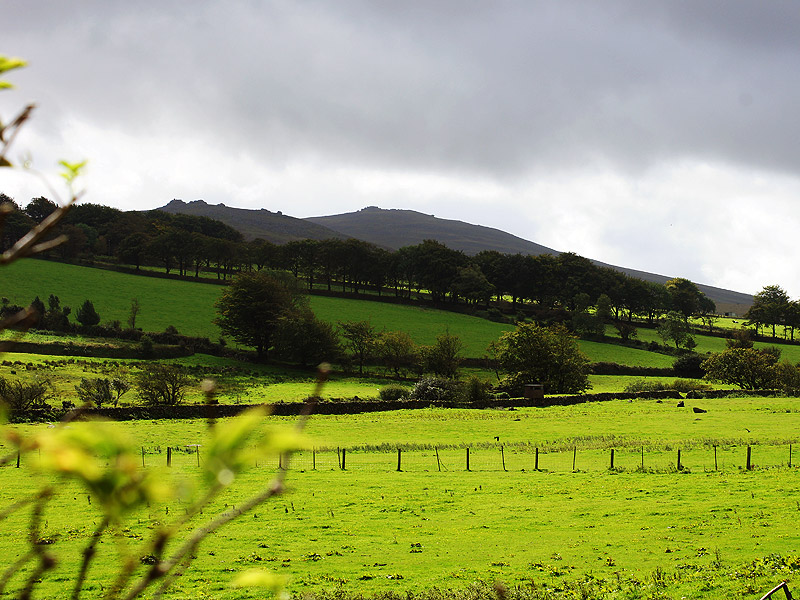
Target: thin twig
(88, 555)
(46, 560)
(13, 568)
(27, 244)
(18, 504)
(14, 128)
(275, 487)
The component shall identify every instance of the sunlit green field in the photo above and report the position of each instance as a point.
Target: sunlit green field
(690, 533)
(189, 306)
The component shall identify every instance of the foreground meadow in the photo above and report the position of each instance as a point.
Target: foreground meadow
(654, 532)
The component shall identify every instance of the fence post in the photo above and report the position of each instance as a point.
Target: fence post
(18, 453)
(680, 466)
(339, 456)
(749, 465)
(642, 458)
(143, 457)
(536, 464)
(169, 456)
(197, 453)
(344, 458)
(313, 459)
(612, 459)
(574, 456)
(715, 457)
(467, 459)
(399, 452)
(438, 462)
(790, 456)
(503, 458)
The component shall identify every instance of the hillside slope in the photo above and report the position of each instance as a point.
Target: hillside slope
(396, 228)
(274, 227)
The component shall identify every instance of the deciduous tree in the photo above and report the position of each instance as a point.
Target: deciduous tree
(251, 306)
(547, 355)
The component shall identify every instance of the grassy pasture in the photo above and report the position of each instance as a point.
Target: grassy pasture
(190, 308)
(693, 534)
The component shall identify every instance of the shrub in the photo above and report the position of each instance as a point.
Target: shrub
(477, 390)
(392, 393)
(87, 315)
(434, 389)
(161, 384)
(94, 391)
(679, 385)
(689, 365)
(19, 395)
(146, 343)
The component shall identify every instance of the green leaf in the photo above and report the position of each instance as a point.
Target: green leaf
(6, 63)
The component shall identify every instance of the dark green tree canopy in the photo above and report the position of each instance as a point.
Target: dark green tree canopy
(250, 308)
(547, 355)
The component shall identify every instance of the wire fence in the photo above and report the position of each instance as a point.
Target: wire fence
(504, 458)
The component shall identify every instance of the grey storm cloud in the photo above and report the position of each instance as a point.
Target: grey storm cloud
(500, 88)
(658, 135)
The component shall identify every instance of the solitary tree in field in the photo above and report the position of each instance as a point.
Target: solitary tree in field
(250, 308)
(547, 355)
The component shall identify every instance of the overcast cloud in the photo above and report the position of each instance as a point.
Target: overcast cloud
(659, 136)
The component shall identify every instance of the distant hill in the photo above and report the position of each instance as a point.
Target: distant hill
(396, 228)
(274, 227)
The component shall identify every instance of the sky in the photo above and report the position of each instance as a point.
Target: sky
(660, 135)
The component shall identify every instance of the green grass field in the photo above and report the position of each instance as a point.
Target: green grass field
(647, 533)
(189, 307)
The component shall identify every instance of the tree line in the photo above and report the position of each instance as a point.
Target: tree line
(191, 246)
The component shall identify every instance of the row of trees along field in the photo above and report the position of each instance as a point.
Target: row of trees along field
(193, 245)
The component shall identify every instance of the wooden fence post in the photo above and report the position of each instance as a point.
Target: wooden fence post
(143, 457)
(313, 459)
(169, 456)
(344, 458)
(749, 464)
(536, 464)
(680, 466)
(574, 457)
(438, 462)
(642, 458)
(467, 459)
(503, 458)
(715, 457)
(18, 453)
(790, 456)
(399, 452)
(612, 459)
(197, 453)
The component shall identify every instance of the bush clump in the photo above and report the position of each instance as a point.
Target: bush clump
(434, 389)
(679, 385)
(393, 393)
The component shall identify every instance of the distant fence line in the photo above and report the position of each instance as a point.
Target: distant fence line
(501, 458)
